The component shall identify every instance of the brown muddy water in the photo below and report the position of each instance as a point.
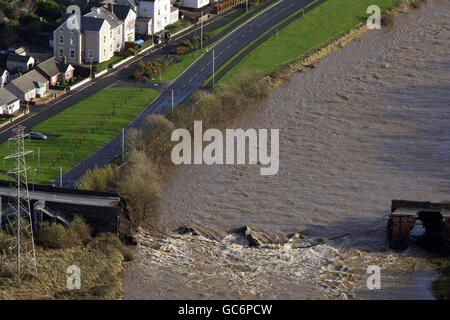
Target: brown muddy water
(369, 124)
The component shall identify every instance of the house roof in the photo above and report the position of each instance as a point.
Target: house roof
(18, 58)
(29, 81)
(6, 96)
(121, 11)
(102, 13)
(91, 23)
(51, 67)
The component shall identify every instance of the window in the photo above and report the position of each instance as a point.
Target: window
(119, 31)
(61, 53)
(104, 39)
(72, 40)
(61, 39)
(110, 48)
(104, 52)
(110, 34)
(90, 53)
(72, 53)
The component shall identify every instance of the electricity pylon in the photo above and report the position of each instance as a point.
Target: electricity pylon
(18, 215)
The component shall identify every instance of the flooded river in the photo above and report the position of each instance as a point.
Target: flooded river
(368, 124)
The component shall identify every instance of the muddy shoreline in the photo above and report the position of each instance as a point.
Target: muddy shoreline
(367, 125)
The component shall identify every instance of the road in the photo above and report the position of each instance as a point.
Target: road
(83, 199)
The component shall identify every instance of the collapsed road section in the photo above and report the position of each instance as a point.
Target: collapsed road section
(104, 212)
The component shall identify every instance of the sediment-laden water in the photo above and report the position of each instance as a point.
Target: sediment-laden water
(368, 124)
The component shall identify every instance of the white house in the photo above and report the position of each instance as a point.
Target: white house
(4, 77)
(19, 62)
(28, 86)
(9, 103)
(100, 35)
(127, 15)
(194, 4)
(155, 13)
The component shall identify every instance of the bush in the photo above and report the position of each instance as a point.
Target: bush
(182, 50)
(55, 236)
(107, 241)
(129, 255)
(81, 229)
(139, 185)
(387, 19)
(103, 179)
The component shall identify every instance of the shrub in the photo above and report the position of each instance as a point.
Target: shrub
(107, 241)
(103, 179)
(54, 236)
(139, 185)
(387, 19)
(182, 50)
(81, 229)
(129, 255)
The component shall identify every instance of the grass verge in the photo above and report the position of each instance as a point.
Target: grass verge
(184, 61)
(79, 131)
(316, 28)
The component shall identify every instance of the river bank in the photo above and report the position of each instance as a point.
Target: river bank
(366, 125)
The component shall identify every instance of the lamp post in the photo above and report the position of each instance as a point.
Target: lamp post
(172, 105)
(201, 32)
(213, 68)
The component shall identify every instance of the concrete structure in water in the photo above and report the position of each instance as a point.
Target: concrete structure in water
(435, 219)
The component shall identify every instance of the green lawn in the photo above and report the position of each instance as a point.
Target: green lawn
(316, 28)
(178, 26)
(174, 70)
(81, 130)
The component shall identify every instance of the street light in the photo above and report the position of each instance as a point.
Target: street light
(213, 68)
(33, 177)
(172, 105)
(201, 32)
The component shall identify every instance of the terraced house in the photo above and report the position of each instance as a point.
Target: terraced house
(96, 37)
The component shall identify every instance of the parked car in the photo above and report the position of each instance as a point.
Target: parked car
(37, 136)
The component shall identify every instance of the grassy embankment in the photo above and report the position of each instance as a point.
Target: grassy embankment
(178, 26)
(79, 131)
(318, 27)
(99, 258)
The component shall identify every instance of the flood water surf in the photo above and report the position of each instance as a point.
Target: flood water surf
(368, 124)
